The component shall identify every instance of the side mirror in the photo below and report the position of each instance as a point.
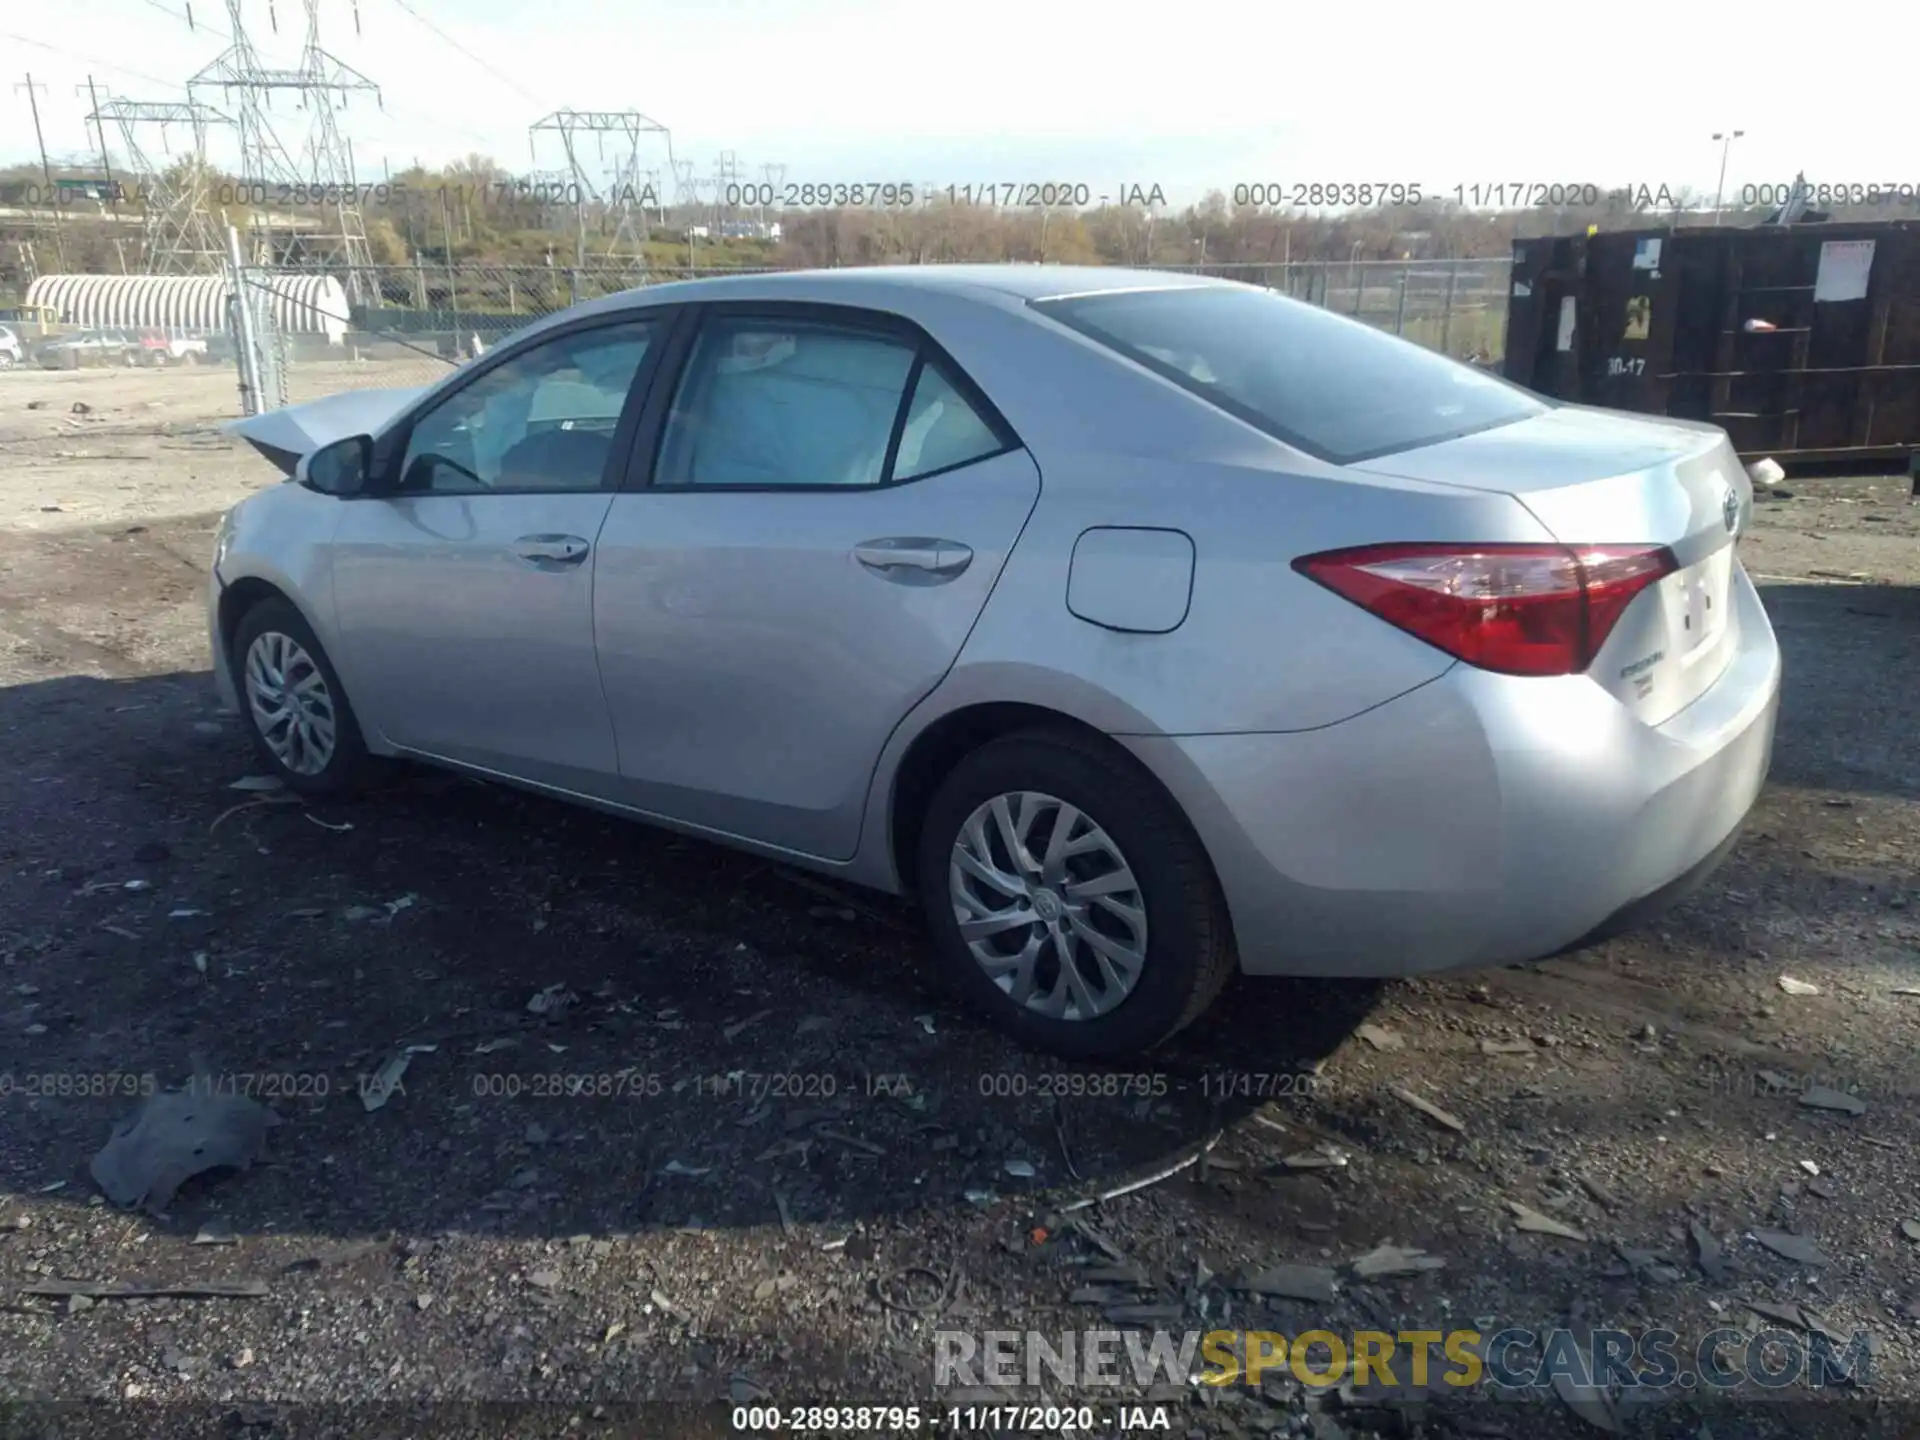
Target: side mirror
(340, 468)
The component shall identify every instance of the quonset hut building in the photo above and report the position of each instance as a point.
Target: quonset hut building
(301, 304)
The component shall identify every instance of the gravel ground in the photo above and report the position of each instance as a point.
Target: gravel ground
(741, 1147)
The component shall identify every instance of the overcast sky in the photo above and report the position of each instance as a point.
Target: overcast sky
(984, 91)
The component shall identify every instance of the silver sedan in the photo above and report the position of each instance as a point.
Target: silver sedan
(1143, 627)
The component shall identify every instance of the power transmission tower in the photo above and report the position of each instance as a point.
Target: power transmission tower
(249, 83)
(686, 187)
(624, 203)
(322, 85)
(726, 182)
(774, 181)
(181, 235)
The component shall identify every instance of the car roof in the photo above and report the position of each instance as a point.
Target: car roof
(876, 284)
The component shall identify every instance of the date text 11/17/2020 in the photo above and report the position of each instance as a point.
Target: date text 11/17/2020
(906, 195)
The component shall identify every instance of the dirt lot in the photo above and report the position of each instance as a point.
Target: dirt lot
(753, 1152)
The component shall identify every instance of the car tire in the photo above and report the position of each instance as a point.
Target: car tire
(1128, 829)
(275, 636)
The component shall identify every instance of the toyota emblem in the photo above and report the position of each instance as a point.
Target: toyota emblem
(1730, 511)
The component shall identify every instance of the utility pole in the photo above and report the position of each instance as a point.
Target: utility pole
(106, 162)
(1726, 139)
(46, 169)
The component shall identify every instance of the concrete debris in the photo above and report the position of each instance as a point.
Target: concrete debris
(552, 1001)
(380, 1086)
(1380, 1038)
(1395, 1260)
(1822, 1097)
(1429, 1109)
(176, 1134)
(739, 1027)
(1294, 1282)
(1529, 1219)
(1793, 1247)
(1707, 1248)
(1798, 987)
(1602, 1196)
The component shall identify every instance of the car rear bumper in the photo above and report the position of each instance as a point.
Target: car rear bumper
(1477, 820)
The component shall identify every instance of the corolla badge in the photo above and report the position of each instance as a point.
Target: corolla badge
(1730, 510)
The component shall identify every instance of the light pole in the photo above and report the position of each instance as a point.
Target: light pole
(1726, 139)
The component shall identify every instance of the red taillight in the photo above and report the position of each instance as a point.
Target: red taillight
(1517, 609)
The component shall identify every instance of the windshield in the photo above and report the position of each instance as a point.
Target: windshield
(1337, 389)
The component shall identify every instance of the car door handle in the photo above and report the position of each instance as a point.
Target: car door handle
(551, 552)
(914, 560)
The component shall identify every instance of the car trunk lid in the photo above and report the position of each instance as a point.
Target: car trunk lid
(1600, 478)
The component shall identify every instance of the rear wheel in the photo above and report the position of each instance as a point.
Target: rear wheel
(1069, 900)
(293, 704)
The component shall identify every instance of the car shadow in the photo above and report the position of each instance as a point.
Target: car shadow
(1857, 640)
(606, 1028)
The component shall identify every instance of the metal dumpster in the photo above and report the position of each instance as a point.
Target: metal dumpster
(1802, 341)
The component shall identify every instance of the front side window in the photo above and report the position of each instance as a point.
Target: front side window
(544, 420)
(1331, 386)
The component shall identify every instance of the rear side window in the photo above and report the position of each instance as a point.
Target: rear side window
(1337, 389)
(942, 430)
(784, 403)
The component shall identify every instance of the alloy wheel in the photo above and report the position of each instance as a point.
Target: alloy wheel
(291, 703)
(1048, 906)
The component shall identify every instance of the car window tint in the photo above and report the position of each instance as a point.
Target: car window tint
(1337, 389)
(544, 420)
(942, 429)
(784, 403)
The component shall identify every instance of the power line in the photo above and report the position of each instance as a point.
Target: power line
(193, 23)
(499, 75)
(90, 60)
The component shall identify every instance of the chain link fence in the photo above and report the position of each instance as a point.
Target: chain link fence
(431, 318)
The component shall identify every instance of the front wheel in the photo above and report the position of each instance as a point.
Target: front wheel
(293, 704)
(1069, 900)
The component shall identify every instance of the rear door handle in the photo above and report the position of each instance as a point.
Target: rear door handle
(915, 559)
(551, 552)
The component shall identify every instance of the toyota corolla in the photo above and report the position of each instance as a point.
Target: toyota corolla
(1143, 627)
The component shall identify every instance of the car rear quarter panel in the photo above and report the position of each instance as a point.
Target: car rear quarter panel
(1261, 649)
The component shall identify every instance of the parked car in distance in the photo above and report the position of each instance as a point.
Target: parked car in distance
(12, 352)
(87, 347)
(1142, 626)
(162, 347)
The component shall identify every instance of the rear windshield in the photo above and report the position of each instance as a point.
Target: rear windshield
(1337, 389)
